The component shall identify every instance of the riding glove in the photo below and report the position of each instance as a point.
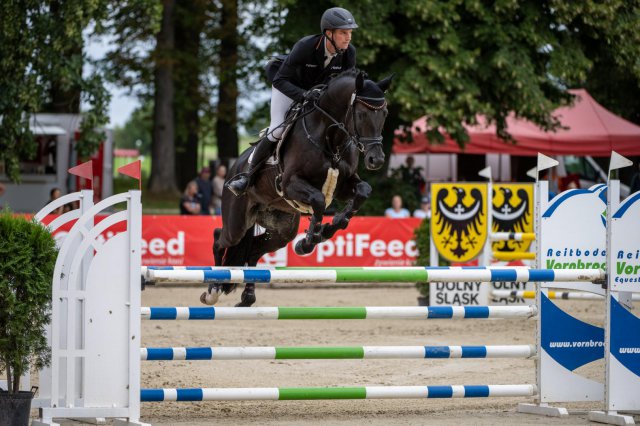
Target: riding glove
(312, 95)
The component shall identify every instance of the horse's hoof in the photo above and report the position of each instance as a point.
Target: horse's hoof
(209, 298)
(302, 248)
(247, 299)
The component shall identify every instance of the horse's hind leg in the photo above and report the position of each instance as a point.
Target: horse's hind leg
(235, 255)
(286, 226)
(248, 296)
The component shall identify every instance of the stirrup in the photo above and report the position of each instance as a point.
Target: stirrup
(239, 184)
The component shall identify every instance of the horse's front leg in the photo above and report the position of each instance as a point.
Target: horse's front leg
(302, 191)
(361, 191)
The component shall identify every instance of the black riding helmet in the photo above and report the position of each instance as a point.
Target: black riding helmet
(337, 18)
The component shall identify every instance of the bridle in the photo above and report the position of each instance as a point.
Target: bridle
(361, 142)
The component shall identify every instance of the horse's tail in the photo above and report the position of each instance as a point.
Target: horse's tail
(232, 256)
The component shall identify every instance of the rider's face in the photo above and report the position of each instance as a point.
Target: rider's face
(341, 38)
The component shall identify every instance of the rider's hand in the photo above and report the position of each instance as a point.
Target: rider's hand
(312, 95)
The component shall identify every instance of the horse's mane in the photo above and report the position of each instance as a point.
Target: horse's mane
(370, 89)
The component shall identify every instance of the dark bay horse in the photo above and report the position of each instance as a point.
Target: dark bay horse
(317, 162)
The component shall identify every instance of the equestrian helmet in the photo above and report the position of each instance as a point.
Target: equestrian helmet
(337, 18)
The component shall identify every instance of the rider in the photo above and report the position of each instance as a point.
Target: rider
(312, 61)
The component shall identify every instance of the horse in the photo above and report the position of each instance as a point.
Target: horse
(317, 162)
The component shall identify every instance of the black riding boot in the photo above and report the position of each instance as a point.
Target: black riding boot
(242, 181)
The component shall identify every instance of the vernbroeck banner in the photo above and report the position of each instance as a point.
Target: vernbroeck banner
(459, 219)
(368, 241)
(625, 246)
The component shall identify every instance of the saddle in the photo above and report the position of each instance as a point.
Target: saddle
(292, 115)
(290, 119)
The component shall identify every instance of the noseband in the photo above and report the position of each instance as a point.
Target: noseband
(361, 141)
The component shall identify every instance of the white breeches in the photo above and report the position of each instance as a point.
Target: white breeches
(280, 103)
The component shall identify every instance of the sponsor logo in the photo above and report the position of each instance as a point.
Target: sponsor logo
(576, 258)
(581, 344)
(361, 245)
(311, 65)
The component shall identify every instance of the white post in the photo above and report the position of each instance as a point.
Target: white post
(622, 381)
(92, 374)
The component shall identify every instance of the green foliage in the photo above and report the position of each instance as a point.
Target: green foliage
(36, 39)
(384, 188)
(28, 252)
(137, 128)
(423, 240)
(456, 59)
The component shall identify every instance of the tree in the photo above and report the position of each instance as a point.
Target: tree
(163, 173)
(227, 117)
(42, 64)
(610, 40)
(189, 101)
(137, 128)
(454, 60)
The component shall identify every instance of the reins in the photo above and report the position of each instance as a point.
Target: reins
(337, 156)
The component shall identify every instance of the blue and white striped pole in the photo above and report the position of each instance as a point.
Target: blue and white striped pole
(368, 392)
(330, 352)
(356, 275)
(341, 313)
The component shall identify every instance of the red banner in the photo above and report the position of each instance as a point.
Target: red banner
(188, 240)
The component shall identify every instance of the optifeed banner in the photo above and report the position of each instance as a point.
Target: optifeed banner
(187, 240)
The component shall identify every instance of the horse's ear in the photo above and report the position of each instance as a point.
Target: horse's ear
(385, 83)
(360, 81)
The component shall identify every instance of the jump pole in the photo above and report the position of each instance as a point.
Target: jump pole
(336, 313)
(357, 275)
(565, 295)
(364, 392)
(336, 352)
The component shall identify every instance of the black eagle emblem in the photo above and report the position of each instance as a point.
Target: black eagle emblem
(511, 218)
(458, 220)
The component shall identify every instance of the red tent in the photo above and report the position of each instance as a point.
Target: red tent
(592, 130)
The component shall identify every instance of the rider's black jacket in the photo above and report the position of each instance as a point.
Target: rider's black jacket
(304, 67)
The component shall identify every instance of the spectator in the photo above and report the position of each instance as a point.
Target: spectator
(218, 186)
(572, 185)
(190, 202)
(2, 189)
(54, 194)
(634, 186)
(396, 211)
(205, 190)
(425, 209)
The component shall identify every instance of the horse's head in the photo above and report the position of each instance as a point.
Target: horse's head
(361, 106)
(369, 113)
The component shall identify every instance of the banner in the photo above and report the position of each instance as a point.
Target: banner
(459, 219)
(625, 246)
(188, 240)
